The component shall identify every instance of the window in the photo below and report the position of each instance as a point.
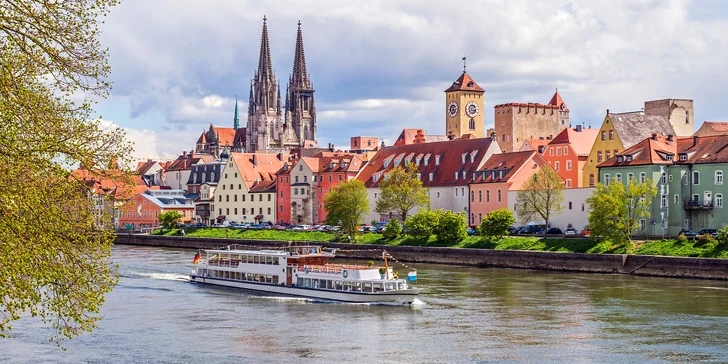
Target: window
(551, 151)
(719, 177)
(472, 124)
(663, 179)
(618, 177)
(341, 176)
(227, 211)
(558, 151)
(269, 197)
(696, 177)
(606, 179)
(643, 177)
(280, 194)
(330, 176)
(438, 195)
(663, 201)
(582, 207)
(219, 198)
(300, 167)
(456, 192)
(566, 150)
(295, 191)
(669, 178)
(604, 135)
(260, 197)
(719, 200)
(606, 155)
(480, 195)
(611, 134)
(472, 196)
(499, 195)
(487, 195)
(269, 211)
(687, 117)
(557, 165)
(568, 183)
(305, 179)
(281, 208)
(243, 197)
(296, 179)
(227, 198)
(630, 177)
(244, 210)
(591, 180)
(599, 157)
(643, 224)
(235, 211)
(225, 175)
(683, 157)
(568, 165)
(569, 205)
(676, 199)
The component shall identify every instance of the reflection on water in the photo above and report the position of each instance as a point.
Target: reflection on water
(465, 315)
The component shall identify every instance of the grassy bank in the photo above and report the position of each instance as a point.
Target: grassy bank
(690, 248)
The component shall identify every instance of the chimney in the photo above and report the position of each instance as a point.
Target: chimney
(695, 140)
(382, 143)
(192, 153)
(669, 137)
(654, 136)
(255, 159)
(578, 128)
(184, 153)
(607, 111)
(280, 156)
(541, 138)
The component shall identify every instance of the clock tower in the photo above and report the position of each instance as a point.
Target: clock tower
(464, 108)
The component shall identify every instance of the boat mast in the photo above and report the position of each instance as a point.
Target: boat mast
(386, 267)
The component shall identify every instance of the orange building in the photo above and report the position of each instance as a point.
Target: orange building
(498, 175)
(568, 152)
(142, 211)
(364, 143)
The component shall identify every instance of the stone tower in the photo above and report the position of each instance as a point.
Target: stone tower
(300, 105)
(264, 105)
(679, 111)
(516, 122)
(464, 108)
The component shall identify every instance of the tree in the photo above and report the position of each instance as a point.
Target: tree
(54, 260)
(422, 224)
(401, 191)
(346, 205)
(392, 230)
(170, 219)
(451, 227)
(615, 210)
(541, 196)
(495, 224)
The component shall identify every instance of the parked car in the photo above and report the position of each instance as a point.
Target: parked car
(713, 232)
(586, 232)
(217, 225)
(688, 233)
(570, 231)
(302, 227)
(472, 231)
(554, 231)
(199, 225)
(255, 226)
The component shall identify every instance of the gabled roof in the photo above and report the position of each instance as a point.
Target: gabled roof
(240, 138)
(263, 169)
(263, 186)
(225, 136)
(508, 163)
(710, 149)
(556, 100)
(656, 149)
(534, 144)
(202, 139)
(417, 136)
(185, 162)
(450, 155)
(718, 126)
(581, 141)
(144, 167)
(634, 127)
(464, 83)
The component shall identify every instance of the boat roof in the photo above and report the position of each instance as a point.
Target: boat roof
(238, 251)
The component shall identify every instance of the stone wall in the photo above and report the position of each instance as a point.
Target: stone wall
(527, 121)
(705, 268)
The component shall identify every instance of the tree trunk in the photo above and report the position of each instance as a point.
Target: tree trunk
(546, 231)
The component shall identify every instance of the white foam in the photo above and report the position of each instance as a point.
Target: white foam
(166, 276)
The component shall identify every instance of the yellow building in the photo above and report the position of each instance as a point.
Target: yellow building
(619, 132)
(464, 108)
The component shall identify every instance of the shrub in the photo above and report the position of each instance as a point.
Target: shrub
(422, 224)
(392, 230)
(682, 239)
(705, 239)
(495, 224)
(451, 227)
(723, 236)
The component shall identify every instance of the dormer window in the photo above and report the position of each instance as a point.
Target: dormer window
(437, 160)
(683, 157)
(628, 158)
(427, 160)
(620, 159)
(464, 155)
(431, 175)
(669, 157)
(500, 174)
(456, 176)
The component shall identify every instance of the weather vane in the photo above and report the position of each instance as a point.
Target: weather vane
(464, 65)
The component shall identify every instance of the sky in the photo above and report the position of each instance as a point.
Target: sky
(381, 66)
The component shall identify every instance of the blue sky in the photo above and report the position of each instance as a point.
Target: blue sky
(381, 66)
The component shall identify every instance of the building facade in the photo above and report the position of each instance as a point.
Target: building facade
(567, 153)
(142, 211)
(464, 108)
(515, 122)
(574, 213)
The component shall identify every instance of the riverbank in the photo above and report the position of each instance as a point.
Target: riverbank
(661, 266)
(668, 247)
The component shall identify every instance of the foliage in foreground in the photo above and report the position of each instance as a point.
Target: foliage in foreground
(422, 224)
(346, 205)
(392, 230)
(401, 191)
(54, 261)
(169, 219)
(495, 224)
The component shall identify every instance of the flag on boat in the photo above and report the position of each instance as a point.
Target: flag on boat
(196, 258)
(412, 276)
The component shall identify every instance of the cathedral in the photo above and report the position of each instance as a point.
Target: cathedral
(274, 126)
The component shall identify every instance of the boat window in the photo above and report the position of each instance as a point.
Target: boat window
(256, 259)
(227, 275)
(356, 286)
(275, 279)
(390, 286)
(330, 284)
(367, 287)
(275, 260)
(268, 260)
(347, 286)
(300, 282)
(378, 287)
(338, 286)
(307, 282)
(204, 272)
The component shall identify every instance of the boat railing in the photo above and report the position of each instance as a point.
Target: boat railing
(331, 268)
(223, 263)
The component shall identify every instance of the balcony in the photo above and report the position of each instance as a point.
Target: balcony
(698, 205)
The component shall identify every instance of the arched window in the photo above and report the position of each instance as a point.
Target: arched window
(472, 218)
(487, 195)
(480, 217)
(480, 195)
(499, 195)
(472, 196)
(472, 124)
(719, 177)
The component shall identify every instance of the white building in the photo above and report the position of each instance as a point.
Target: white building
(575, 212)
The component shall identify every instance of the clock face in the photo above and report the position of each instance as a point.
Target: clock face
(452, 109)
(471, 109)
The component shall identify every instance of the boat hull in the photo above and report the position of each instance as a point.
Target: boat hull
(401, 297)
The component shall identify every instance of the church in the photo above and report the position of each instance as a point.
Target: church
(273, 126)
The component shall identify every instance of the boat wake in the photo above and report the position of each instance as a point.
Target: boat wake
(166, 276)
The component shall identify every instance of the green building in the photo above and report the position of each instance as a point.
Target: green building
(688, 174)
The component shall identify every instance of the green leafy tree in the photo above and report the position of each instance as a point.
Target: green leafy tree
(615, 210)
(540, 196)
(495, 224)
(422, 224)
(55, 260)
(401, 191)
(451, 227)
(170, 219)
(392, 230)
(346, 205)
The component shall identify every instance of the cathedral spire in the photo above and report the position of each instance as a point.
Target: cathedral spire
(300, 76)
(265, 65)
(278, 104)
(236, 118)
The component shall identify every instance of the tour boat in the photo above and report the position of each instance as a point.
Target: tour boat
(302, 271)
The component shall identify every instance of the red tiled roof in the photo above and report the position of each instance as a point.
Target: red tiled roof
(144, 167)
(202, 139)
(450, 153)
(264, 169)
(240, 137)
(581, 142)
(710, 149)
(225, 136)
(526, 104)
(417, 136)
(720, 126)
(534, 143)
(509, 163)
(653, 150)
(556, 100)
(464, 83)
(264, 186)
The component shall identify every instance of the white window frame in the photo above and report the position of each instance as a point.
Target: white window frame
(630, 177)
(663, 201)
(618, 177)
(607, 179)
(568, 165)
(643, 177)
(718, 200)
(643, 225)
(718, 177)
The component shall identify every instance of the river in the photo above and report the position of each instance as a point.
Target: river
(466, 315)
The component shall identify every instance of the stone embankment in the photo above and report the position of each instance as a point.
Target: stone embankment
(705, 268)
